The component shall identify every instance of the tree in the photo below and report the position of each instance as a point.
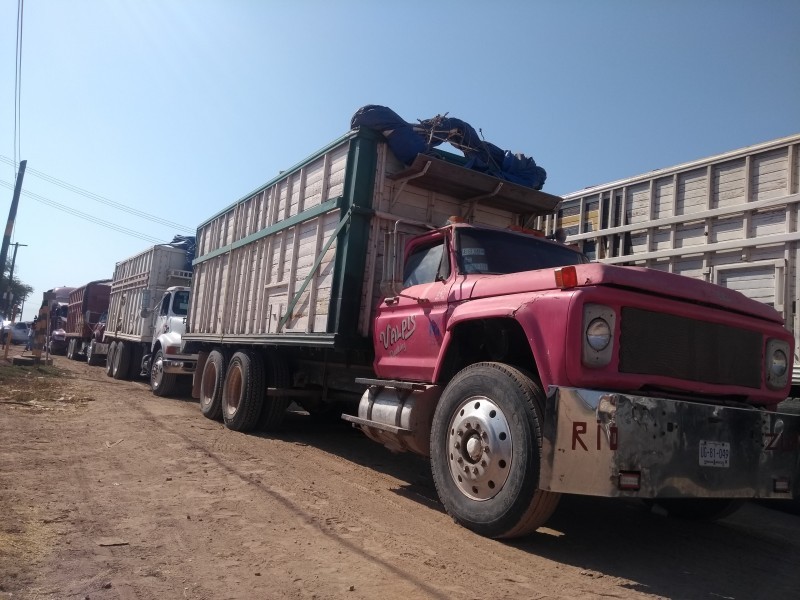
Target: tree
(14, 294)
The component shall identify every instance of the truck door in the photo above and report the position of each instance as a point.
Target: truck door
(409, 326)
(162, 319)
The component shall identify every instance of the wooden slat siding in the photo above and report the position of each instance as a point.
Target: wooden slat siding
(723, 230)
(374, 263)
(768, 222)
(690, 266)
(770, 174)
(260, 274)
(757, 282)
(638, 202)
(665, 197)
(691, 191)
(729, 183)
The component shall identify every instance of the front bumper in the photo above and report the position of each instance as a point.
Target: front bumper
(593, 441)
(183, 364)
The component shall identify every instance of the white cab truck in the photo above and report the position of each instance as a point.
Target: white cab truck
(147, 317)
(730, 219)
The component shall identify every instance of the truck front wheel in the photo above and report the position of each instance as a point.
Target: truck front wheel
(486, 443)
(112, 352)
(91, 358)
(162, 384)
(211, 385)
(243, 392)
(122, 361)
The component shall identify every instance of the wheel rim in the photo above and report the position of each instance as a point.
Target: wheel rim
(480, 448)
(209, 383)
(233, 390)
(157, 373)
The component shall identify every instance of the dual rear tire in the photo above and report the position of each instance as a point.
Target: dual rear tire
(74, 349)
(236, 389)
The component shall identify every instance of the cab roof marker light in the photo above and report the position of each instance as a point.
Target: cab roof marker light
(566, 277)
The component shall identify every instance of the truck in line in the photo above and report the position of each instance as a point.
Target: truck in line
(730, 219)
(57, 302)
(85, 307)
(415, 292)
(146, 317)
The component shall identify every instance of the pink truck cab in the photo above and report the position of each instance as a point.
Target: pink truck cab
(524, 372)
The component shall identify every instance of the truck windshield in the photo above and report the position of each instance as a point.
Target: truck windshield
(500, 252)
(180, 303)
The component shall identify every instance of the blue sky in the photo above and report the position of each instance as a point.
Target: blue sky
(177, 108)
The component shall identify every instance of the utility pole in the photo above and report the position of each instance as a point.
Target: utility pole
(12, 215)
(11, 276)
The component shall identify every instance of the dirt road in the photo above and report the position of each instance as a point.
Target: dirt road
(111, 492)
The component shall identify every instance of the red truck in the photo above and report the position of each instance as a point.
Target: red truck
(87, 304)
(519, 368)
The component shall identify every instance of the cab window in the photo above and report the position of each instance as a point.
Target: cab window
(426, 264)
(180, 306)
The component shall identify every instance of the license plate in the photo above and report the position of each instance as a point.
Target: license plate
(715, 454)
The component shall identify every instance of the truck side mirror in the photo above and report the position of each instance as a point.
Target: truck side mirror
(145, 306)
(87, 317)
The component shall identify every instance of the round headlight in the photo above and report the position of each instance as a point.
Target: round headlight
(598, 334)
(778, 364)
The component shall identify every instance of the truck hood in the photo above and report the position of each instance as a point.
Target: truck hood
(651, 281)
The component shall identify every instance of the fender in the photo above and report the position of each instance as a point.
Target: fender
(170, 339)
(542, 316)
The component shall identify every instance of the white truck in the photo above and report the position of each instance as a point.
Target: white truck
(730, 219)
(147, 317)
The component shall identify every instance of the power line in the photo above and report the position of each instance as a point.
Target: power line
(102, 199)
(18, 86)
(82, 215)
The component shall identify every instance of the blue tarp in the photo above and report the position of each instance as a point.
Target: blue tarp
(407, 140)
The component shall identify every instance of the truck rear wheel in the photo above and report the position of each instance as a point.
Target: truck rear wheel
(91, 358)
(211, 384)
(274, 407)
(162, 384)
(112, 351)
(243, 391)
(122, 361)
(486, 443)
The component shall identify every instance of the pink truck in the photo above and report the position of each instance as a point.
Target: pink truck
(87, 305)
(522, 370)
